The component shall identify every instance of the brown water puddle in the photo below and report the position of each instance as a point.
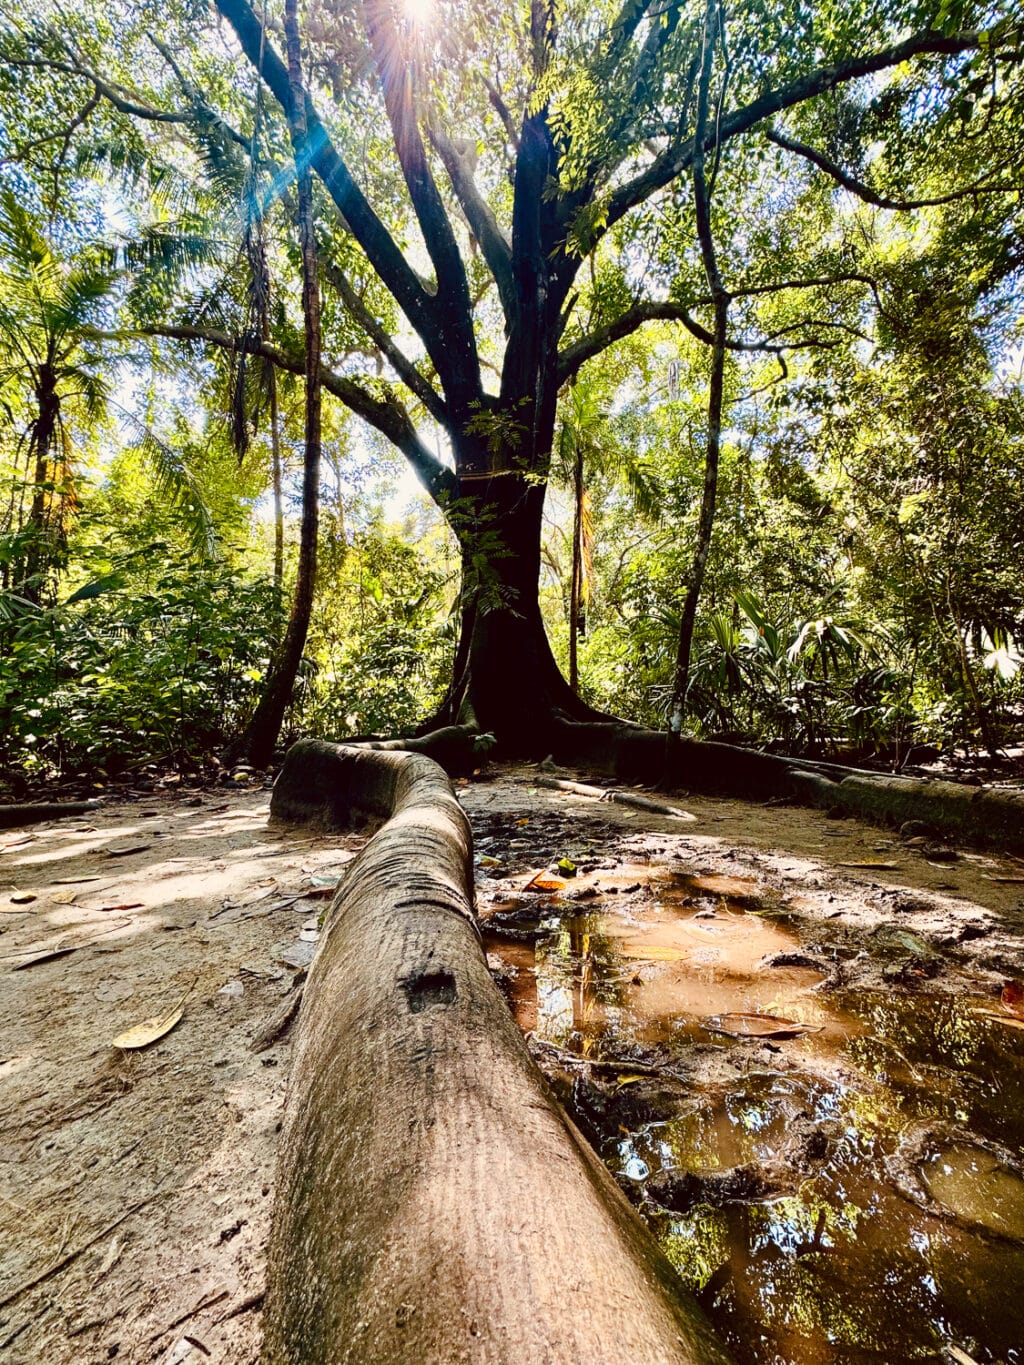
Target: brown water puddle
(903, 1234)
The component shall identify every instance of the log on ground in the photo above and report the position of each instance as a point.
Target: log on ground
(434, 1202)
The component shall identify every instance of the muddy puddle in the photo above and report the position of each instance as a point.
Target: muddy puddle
(845, 1189)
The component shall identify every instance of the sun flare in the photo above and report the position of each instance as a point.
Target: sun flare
(419, 12)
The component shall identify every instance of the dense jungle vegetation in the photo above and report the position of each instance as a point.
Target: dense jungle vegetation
(699, 326)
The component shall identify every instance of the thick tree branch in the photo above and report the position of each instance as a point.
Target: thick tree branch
(482, 222)
(677, 159)
(371, 234)
(574, 356)
(865, 192)
(619, 35)
(453, 310)
(504, 113)
(399, 362)
(387, 414)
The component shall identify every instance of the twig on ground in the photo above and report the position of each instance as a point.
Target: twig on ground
(282, 1021)
(620, 798)
(63, 1262)
(207, 1301)
(247, 1305)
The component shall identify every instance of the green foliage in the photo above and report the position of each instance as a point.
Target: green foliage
(123, 670)
(380, 640)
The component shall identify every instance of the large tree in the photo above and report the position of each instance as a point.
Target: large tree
(515, 190)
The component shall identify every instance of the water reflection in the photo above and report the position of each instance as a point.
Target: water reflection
(837, 1265)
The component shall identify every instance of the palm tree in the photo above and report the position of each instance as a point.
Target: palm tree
(54, 371)
(586, 446)
(57, 370)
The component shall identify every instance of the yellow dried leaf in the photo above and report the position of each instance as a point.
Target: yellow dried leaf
(64, 897)
(149, 1031)
(542, 883)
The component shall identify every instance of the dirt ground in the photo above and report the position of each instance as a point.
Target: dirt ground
(136, 1185)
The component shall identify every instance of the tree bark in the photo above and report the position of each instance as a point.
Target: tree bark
(434, 1204)
(277, 481)
(576, 585)
(506, 679)
(39, 553)
(260, 736)
(702, 191)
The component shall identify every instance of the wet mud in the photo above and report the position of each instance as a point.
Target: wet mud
(822, 1121)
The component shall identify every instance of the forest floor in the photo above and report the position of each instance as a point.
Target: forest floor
(705, 991)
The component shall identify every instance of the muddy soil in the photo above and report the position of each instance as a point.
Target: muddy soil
(798, 1180)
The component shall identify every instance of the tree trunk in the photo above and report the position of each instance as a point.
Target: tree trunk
(434, 1204)
(37, 556)
(706, 524)
(277, 480)
(506, 681)
(576, 586)
(260, 736)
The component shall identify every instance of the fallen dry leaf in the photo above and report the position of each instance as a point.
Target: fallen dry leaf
(50, 955)
(63, 897)
(17, 843)
(757, 1026)
(149, 1031)
(542, 883)
(1007, 1019)
(22, 897)
(125, 849)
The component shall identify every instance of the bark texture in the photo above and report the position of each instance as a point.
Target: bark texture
(989, 816)
(434, 1203)
(11, 817)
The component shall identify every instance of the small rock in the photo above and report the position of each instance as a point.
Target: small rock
(940, 853)
(916, 829)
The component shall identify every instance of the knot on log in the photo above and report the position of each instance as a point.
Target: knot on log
(434, 1203)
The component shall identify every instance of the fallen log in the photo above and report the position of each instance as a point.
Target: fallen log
(434, 1203)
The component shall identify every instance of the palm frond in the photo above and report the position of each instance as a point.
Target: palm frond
(179, 485)
(644, 486)
(173, 248)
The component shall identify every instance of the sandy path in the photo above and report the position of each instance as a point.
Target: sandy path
(155, 1167)
(135, 1188)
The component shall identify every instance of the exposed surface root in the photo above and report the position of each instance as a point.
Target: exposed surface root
(435, 1203)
